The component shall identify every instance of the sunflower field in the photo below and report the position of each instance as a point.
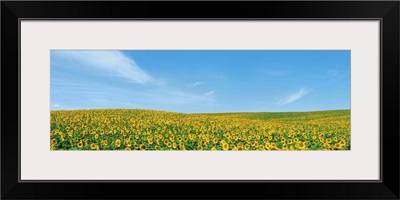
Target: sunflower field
(127, 129)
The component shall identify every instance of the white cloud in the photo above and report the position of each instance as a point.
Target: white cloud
(293, 97)
(196, 84)
(209, 93)
(55, 105)
(113, 62)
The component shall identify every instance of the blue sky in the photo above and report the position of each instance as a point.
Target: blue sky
(197, 81)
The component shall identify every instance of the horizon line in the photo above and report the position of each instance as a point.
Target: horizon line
(222, 112)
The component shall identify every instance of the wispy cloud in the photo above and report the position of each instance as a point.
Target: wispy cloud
(114, 62)
(207, 94)
(117, 104)
(195, 84)
(64, 83)
(293, 97)
(179, 97)
(273, 73)
(333, 72)
(55, 106)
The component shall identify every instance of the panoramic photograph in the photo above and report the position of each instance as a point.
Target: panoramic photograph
(200, 100)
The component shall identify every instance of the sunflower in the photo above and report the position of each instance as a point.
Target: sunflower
(80, 145)
(327, 145)
(96, 136)
(182, 146)
(53, 141)
(128, 143)
(93, 146)
(157, 147)
(117, 142)
(104, 142)
(127, 149)
(274, 148)
(215, 140)
(213, 148)
(150, 141)
(225, 146)
(142, 147)
(300, 145)
(329, 140)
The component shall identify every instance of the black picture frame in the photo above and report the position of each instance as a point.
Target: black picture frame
(385, 11)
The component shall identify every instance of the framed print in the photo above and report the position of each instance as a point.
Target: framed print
(299, 96)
